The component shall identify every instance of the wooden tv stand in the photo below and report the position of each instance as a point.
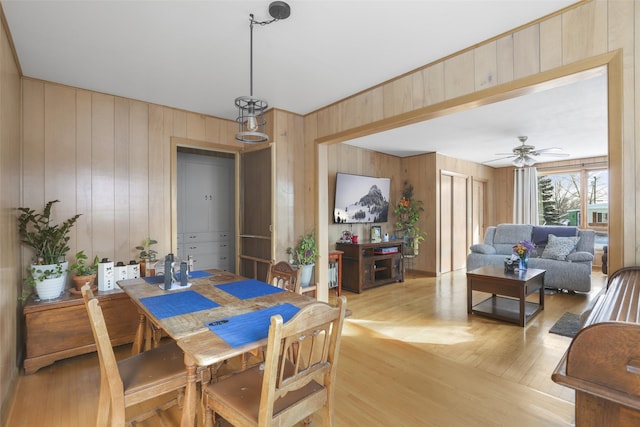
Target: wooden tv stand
(366, 265)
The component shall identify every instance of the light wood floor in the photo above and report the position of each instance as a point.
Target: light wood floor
(410, 356)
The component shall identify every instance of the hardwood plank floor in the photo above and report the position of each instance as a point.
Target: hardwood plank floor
(410, 356)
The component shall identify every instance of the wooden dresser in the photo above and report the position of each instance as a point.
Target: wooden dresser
(59, 329)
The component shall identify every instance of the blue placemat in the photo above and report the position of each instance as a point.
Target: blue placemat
(250, 327)
(156, 280)
(250, 288)
(197, 274)
(175, 304)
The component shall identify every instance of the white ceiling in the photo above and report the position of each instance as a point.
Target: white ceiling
(194, 55)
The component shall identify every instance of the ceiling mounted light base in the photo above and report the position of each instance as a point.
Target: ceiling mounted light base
(279, 10)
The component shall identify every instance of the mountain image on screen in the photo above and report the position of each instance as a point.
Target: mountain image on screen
(371, 207)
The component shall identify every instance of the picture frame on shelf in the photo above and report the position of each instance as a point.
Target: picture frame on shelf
(376, 234)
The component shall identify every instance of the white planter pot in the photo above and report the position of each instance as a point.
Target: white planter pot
(48, 289)
(305, 276)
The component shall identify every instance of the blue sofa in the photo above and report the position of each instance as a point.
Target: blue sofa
(568, 271)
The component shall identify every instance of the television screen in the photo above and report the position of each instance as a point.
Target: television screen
(361, 199)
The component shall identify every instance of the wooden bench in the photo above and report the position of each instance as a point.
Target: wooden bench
(603, 361)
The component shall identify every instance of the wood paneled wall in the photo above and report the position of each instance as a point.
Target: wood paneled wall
(583, 36)
(107, 158)
(10, 309)
(292, 215)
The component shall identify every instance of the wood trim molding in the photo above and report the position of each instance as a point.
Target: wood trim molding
(527, 85)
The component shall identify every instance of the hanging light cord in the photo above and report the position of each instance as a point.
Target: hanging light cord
(261, 23)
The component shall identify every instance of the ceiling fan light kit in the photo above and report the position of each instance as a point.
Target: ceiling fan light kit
(525, 155)
(251, 121)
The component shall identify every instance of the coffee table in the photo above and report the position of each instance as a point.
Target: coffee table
(509, 292)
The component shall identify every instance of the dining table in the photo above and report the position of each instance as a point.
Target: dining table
(218, 315)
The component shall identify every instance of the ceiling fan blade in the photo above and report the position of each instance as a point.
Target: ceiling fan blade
(506, 154)
(551, 154)
(500, 158)
(542, 150)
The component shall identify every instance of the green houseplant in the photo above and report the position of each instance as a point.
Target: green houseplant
(48, 271)
(407, 214)
(304, 256)
(82, 272)
(147, 255)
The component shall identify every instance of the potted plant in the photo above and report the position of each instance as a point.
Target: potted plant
(48, 270)
(82, 272)
(304, 256)
(147, 256)
(408, 213)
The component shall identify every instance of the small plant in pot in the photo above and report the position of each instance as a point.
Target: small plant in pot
(304, 256)
(48, 271)
(148, 257)
(82, 272)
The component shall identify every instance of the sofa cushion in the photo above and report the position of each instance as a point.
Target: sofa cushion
(559, 247)
(481, 248)
(540, 233)
(512, 233)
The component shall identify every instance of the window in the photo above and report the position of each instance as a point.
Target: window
(577, 197)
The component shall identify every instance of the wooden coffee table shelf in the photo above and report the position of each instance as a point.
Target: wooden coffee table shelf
(509, 292)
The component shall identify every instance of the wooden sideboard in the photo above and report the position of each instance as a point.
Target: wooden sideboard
(59, 329)
(365, 265)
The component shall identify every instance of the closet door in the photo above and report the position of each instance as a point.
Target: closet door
(255, 208)
(453, 221)
(478, 213)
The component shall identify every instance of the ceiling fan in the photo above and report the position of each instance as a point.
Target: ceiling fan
(525, 155)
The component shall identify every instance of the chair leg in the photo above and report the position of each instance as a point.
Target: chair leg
(104, 405)
(208, 415)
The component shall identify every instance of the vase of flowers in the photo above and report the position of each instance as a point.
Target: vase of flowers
(523, 250)
(304, 256)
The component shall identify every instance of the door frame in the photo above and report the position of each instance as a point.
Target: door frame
(177, 142)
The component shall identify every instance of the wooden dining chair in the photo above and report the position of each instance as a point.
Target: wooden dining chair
(135, 379)
(284, 276)
(292, 385)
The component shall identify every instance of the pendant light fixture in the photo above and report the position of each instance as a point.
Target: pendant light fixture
(251, 110)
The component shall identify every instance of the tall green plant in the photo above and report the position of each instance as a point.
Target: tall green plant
(408, 213)
(49, 241)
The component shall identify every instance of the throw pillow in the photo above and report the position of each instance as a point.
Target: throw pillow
(559, 247)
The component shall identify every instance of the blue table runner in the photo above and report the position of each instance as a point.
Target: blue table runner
(250, 288)
(178, 303)
(250, 327)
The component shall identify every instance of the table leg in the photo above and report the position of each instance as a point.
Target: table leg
(190, 395)
(523, 313)
(469, 291)
(139, 338)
